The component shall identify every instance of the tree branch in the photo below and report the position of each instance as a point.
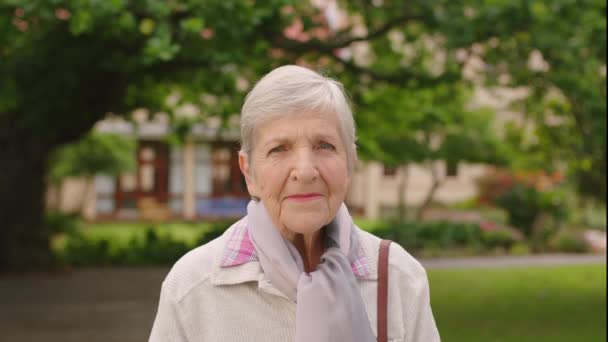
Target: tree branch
(399, 78)
(328, 48)
(437, 181)
(341, 41)
(175, 65)
(346, 41)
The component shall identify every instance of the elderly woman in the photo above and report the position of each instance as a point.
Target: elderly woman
(296, 267)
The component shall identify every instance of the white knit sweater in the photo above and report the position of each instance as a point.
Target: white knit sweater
(201, 301)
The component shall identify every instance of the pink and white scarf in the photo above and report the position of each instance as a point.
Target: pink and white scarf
(329, 304)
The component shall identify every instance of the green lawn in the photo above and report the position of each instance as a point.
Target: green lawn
(565, 303)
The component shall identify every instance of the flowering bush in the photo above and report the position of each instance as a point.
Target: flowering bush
(418, 237)
(568, 241)
(527, 197)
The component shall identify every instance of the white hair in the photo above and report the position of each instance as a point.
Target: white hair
(292, 89)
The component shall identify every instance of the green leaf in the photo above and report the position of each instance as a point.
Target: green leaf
(192, 25)
(126, 21)
(81, 22)
(147, 26)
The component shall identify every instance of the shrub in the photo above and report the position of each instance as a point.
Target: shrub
(215, 230)
(525, 196)
(520, 248)
(416, 236)
(498, 238)
(590, 215)
(568, 241)
(80, 250)
(59, 222)
(151, 248)
(433, 238)
(493, 184)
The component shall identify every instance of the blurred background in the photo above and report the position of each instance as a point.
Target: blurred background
(481, 137)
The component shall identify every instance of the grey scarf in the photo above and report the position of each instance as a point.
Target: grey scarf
(328, 300)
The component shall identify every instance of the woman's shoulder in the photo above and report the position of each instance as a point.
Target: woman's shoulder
(400, 261)
(197, 266)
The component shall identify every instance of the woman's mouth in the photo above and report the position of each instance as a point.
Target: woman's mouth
(304, 197)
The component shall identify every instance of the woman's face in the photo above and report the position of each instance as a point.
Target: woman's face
(298, 168)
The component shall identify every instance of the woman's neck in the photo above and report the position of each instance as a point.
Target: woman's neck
(310, 247)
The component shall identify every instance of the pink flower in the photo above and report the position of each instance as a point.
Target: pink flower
(295, 31)
(320, 32)
(62, 14)
(287, 10)
(487, 225)
(207, 33)
(22, 25)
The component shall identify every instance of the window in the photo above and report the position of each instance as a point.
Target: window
(390, 170)
(226, 175)
(451, 168)
(203, 169)
(104, 188)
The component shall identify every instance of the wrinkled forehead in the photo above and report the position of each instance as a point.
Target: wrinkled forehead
(288, 126)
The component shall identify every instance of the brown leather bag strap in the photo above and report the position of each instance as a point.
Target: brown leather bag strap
(383, 291)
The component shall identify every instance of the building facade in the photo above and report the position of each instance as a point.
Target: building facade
(201, 179)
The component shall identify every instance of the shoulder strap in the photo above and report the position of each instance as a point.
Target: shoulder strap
(383, 291)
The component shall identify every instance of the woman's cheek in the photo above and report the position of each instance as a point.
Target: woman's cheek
(336, 171)
(272, 182)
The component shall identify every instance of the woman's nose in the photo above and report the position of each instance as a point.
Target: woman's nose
(304, 167)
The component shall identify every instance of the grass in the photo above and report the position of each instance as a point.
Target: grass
(561, 303)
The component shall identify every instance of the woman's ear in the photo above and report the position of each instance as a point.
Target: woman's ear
(354, 160)
(244, 165)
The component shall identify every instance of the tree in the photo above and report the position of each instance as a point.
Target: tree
(66, 64)
(558, 50)
(96, 153)
(424, 125)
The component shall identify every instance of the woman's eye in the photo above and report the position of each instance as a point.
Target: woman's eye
(278, 149)
(326, 146)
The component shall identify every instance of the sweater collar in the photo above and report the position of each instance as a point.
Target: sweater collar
(238, 261)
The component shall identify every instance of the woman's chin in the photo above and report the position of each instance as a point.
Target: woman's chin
(305, 224)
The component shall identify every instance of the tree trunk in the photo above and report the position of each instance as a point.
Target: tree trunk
(24, 239)
(436, 183)
(402, 205)
(89, 186)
